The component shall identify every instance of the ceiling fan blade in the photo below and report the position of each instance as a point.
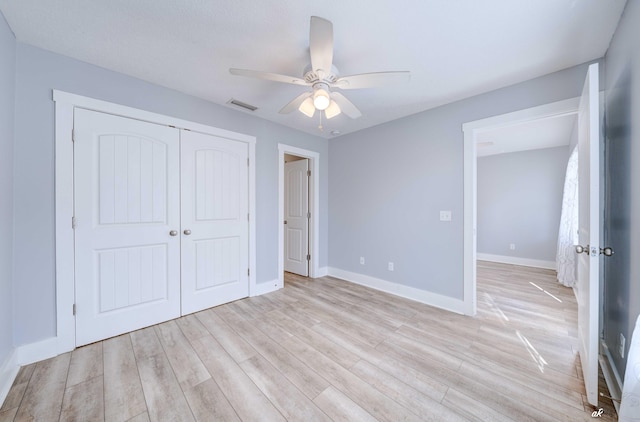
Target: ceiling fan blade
(367, 80)
(345, 105)
(321, 45)
(269, 76)
(295, 103)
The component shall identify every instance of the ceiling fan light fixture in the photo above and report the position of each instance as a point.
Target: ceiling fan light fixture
(307, 107)
(332, 110)
(321, 99)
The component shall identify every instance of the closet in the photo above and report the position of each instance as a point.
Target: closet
(161, 223)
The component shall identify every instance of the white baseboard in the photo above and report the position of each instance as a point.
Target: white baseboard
(35, 352)
(514, 260)
(611, 375)
(322, 271)
(263, 288)
(422, 296)
(25, 355)
(8, 371)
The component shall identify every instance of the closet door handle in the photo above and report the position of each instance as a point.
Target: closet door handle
(187, 232)
(173, 233)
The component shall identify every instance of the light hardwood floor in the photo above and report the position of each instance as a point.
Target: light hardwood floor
(326, 349)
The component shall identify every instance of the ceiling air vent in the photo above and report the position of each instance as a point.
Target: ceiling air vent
(246, 106)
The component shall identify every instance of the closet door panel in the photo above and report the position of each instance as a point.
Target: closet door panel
(127, 201)
(215, 227)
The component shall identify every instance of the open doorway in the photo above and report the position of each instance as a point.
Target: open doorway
(303, 166)
(473, 131)
(296, 215)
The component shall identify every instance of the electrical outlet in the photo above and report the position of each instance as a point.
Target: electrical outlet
(621, 344)
(512, 246)
(362, 260)
(445, 215)
(390, 266)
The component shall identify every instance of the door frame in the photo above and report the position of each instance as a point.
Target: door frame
(314, 207)
(470, 200)
(64, 201)
(286, 217)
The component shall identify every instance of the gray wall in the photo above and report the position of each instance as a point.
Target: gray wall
(7, 77)
(388, 183)
(622, 190)
(37, 73)
(520, 201)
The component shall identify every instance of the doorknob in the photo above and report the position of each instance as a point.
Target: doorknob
(187, 232)
(606, 251)
(173, 233)
(582, 249)
(285, 221)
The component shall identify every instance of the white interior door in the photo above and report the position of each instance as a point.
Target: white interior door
(127, 203)
(589, 232)
(296, 217)
(215, 221)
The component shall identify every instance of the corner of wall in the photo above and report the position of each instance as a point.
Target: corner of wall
(8, 372)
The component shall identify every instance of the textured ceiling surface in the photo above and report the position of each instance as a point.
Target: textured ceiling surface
(454, 49)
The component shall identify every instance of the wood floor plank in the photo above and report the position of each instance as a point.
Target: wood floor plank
(123, 395)
(8, 415)
(473, 410)
(362, 393)
(145, 343)
(341, 408)
(191, 327)
(164, 397)
(142, 417)
(86, 363)
(319, 342)
(297, 372)
(16, 393)
(42, 400)
(184, 360)
(422, 405)
(234, 383)
(208, 402)
(84, 401)
(285, 396)
(418, 380)
(235, 345)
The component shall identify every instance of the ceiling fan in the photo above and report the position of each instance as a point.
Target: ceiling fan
(323, 77)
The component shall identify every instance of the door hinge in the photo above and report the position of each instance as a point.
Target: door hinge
(308, 215)
(74, 309)
(73, 135)
(308, 257)
(309, 173)
(247, 162)
(73, 223)
(248, 217)
(249, 272)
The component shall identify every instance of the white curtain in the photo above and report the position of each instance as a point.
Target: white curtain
(568, 233)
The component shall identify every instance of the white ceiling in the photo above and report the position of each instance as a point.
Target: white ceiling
(454, 49)
(536, 134)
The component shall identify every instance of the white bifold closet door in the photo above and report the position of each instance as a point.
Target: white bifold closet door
(215, 226)
(127, 202)
(156, 235)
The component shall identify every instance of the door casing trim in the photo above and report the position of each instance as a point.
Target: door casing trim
(314, 206)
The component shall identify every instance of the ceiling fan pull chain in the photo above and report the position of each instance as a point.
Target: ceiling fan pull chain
(320, 128)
